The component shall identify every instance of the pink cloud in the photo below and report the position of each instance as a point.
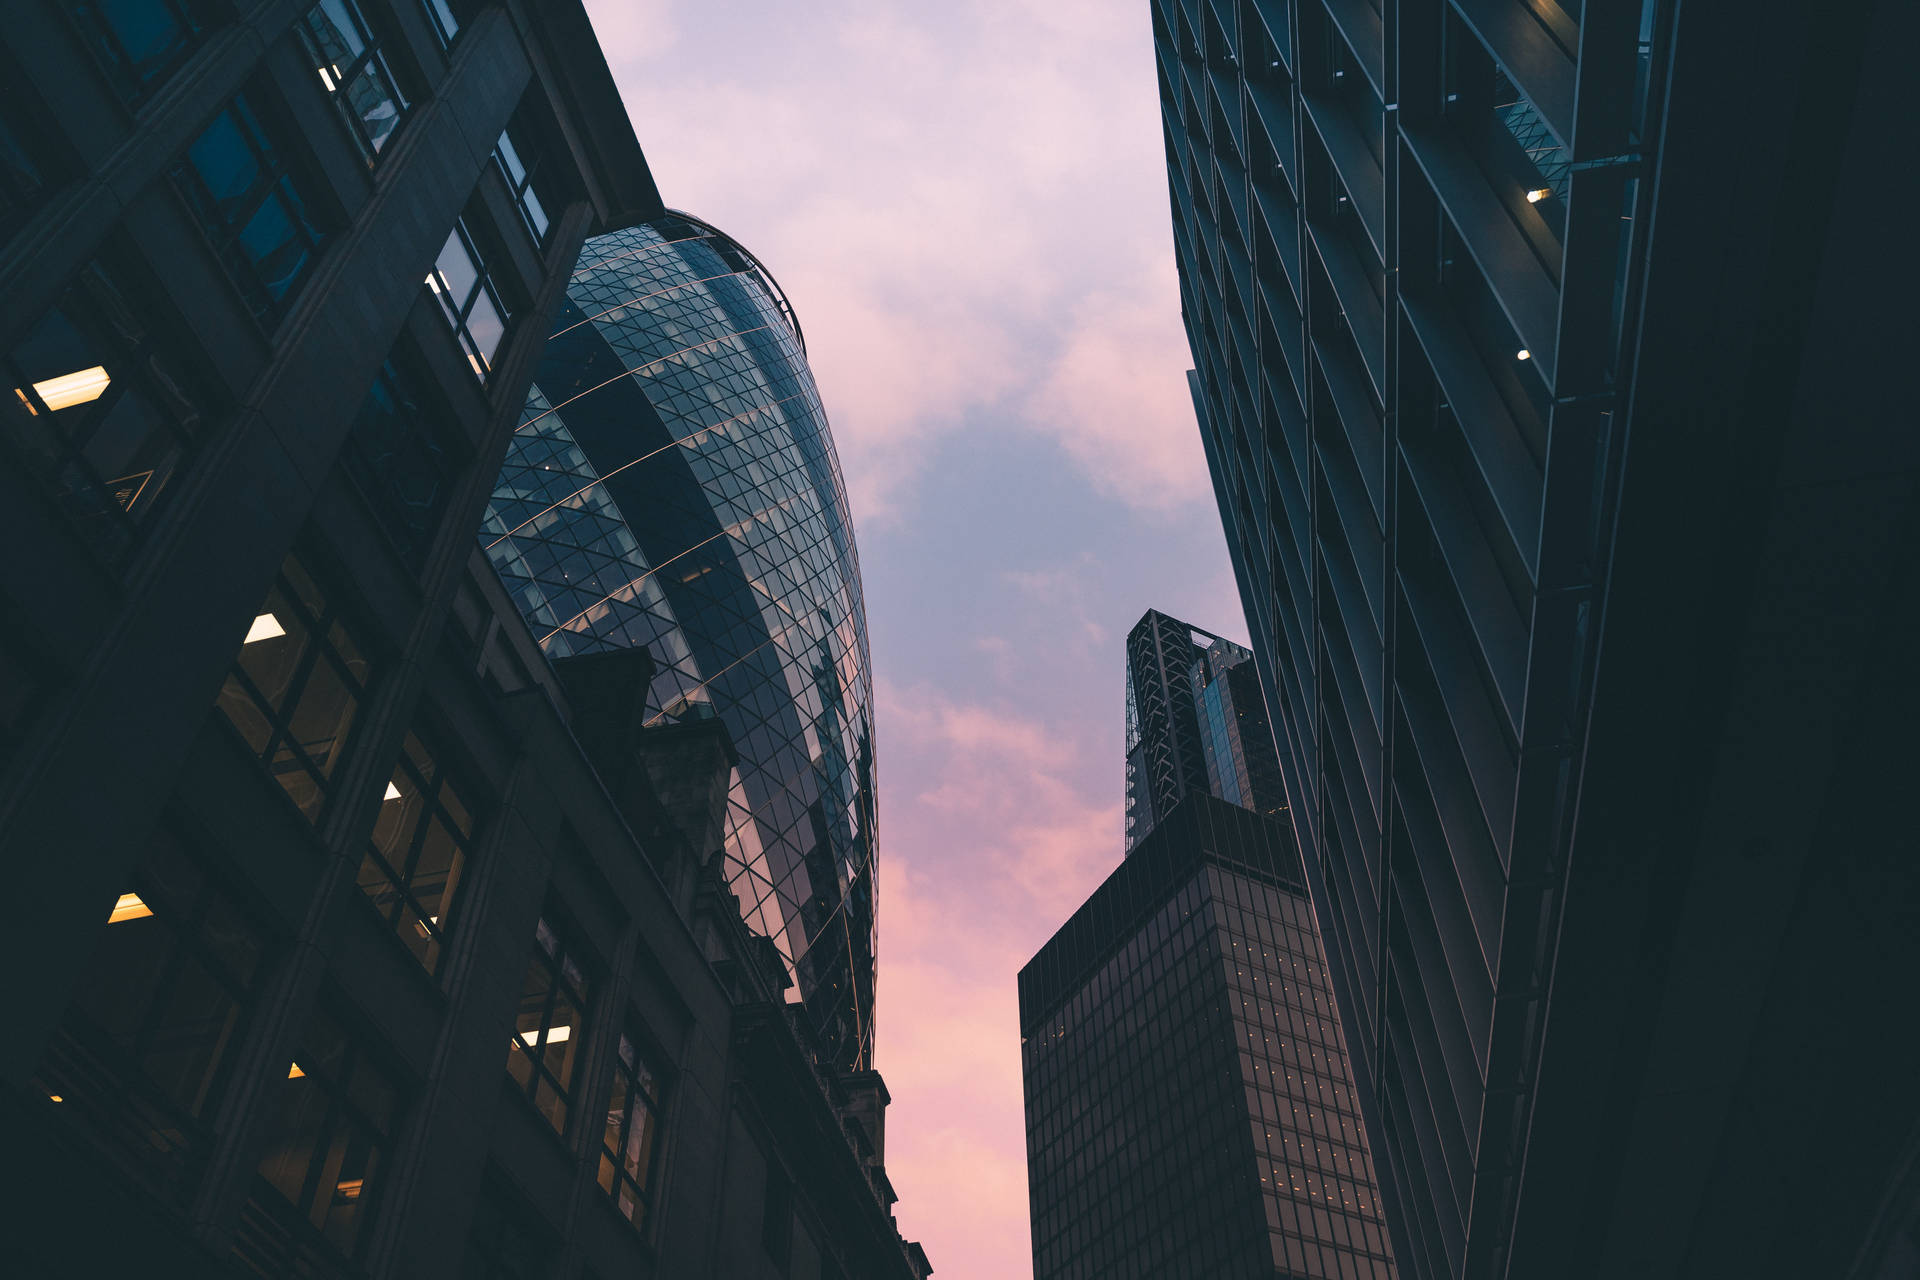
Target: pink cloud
(953, 935)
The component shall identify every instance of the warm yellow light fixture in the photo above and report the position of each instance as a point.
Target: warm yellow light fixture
(294, 1072)
(54, 1097)
(128, 907)
(350, 1189)
(265, 627)
(70, 389)
(393, 793)
(1538, 194)
(1523, 354)
(554, 1035)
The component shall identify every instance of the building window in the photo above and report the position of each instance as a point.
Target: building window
(446, 23)
(469, 299)
(420, 845)
(549, 1024)
(331, 1134)
(296, 686)
(520, 166)
(354, 72)
(99, 409)
(406, 453)
(239, 187)
(632, 1133)
(145, 1049)
(139, 43)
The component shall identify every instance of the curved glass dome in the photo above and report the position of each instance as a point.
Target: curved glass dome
(673, 484)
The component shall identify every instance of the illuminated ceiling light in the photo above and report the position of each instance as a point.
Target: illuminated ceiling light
(294, 1072)
(54, 1097)
(70, 389)
(349, 1190)
(1523, 354)
(1538, 194)
(326, 79)
(554, 1034)
(393, 793)
(128, 907)
(265, 627)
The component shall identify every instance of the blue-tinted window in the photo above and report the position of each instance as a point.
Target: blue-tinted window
(345, 52)
(238, 185)
(98, 408)
(406, 454)
(139, 43)
(446, 23)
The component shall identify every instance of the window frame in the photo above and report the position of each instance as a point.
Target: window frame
(612, 1174)
(458, 316)
(557, 950)
(110, 56)
(370, 61)
(279, 179)
(509, 155)
(51, 444)
(404, 909)
(429, 427)
(320, 623)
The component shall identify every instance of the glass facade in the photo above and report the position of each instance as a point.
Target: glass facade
(1196, 721)
(673, 485)
(1184, 1006)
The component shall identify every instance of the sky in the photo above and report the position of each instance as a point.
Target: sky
(966, 204)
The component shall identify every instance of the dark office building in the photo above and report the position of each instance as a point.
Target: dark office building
(1196, 721)
(356, 937)
(1189, 1108)
(672, 486)
(1546, 364)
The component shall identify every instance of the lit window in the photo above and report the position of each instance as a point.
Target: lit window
(145, 1049)
(547, 1029)
(419, 848)
(296, 687)
(354, 72)
(238, 185)
(632, 1133)
(328, 1141)
(469, 300)
(97, 407)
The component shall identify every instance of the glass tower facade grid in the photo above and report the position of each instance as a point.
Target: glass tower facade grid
(673, 485)
(1184, 1006)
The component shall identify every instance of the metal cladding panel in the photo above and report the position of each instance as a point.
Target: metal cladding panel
(673, 485)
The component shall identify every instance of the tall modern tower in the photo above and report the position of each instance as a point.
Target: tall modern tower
(1546, 363)
(1196, 721)
(1192, 985)
(673, 486)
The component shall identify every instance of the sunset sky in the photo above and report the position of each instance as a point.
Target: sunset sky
(966, 204)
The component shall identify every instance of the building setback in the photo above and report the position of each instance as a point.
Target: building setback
(1189, 1106)
(1546, 367)
(364, 940)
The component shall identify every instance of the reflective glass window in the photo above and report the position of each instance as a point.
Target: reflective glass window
(145, 1049)
(446, 23)
(296, 687)
(328, 1139)
(420, 845)
(239, 186)
(519, 164)
(139, 43)
(550, 1022)
(406, 454)
(470, 301)
(100, 410)
(632, 1132)
(354, 72)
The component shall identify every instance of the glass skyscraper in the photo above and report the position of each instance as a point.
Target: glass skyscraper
(673, 485)
(1190, 1108)
(1196, 720)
